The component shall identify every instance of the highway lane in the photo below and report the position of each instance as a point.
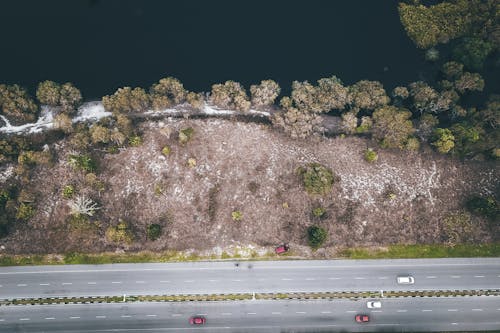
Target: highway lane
(404, 314)
(262, 276)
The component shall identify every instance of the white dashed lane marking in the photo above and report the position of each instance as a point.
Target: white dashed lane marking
(125, 316)
(479, 276)
(351, 311)
(139, 282)
(22, 285)
(188, 281)
(382, 277)
(251, 313)
(226, 313)
(176, 314)
(301, 312)
(452, 310)
(431, 277)
(91, 282)
(100, 317)
(334, 278)
(278, 313)
(477, 309)
(66, 283)
(285, 279)
(151, 315)
(310, 279)
(74, 317)
(116, 282)
(24, 319)
(455, 276)
(402, 310)
(359, 278)
(426, 310)
(45, 284)
(326, 311)
(50, 318)
(376, 311)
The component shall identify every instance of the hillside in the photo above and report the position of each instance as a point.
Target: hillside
(404, 197)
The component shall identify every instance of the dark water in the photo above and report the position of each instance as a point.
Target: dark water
(103, 45)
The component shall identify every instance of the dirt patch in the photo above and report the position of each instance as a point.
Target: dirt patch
(252, 169)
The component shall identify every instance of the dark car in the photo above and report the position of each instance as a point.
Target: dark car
(282, 249)
(362, 318)
(197, 320)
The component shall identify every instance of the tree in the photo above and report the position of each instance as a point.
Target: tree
(452, 70)
(392, 126)
(424, 96)
(349, 122)
(67, 97)
(428, 26)
(426, 125)
(469, 82)
(99, 134)
(316, 236)
(368, 95)
(332, 94)
(127, 100)
(400, 92)
(230, 95)
(153, 231)
(297, 123)
(317, 178)
(472, 52)
(265, 93)
(63, 122)
(444, 141)
(167, 92)
(16, 104)
(196, 100)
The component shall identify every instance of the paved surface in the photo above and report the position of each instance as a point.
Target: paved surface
(407, 314)
(262, 276)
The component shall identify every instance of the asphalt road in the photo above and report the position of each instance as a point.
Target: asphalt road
(397, 315)
(261, 276)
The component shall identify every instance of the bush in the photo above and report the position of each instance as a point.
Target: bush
(196, 100)
(166, 150)
(236, 215)
(68, 191)
(25, 211)
(472, 52)
(135, 140)
(82, 162)
(319, 212)
(371, 155)
(99, 134)
(17, 106)
(488, 207)
(316, 236)
(120, 233)
(457, 227)
(185, 135)
(444, 140)
(316, 178)
(168, 91)
(191, 162)
(127, 100)
(153, 231)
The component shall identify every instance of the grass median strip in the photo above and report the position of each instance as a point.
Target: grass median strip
(248, 296)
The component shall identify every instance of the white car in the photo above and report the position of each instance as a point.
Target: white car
(406, 279)
(374, 305)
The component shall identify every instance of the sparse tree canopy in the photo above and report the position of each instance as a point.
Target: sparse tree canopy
(265, 93)
(452, 70)
(349, 122)
(296, 123)
(327, 95)
(230, 95)
(16, 105)
(392, 126)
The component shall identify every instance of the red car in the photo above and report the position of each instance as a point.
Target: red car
(197, 320)
(362, 318)
(281, 249)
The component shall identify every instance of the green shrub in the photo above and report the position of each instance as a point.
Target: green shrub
(135, 141)
(316, 236)
(25, 211)
(319, 212)
(371, 155)
(457, 227)
(317, 179)
(236, 215)
(153, 231)
(488, 207)
(68, 191)
(185, 135)
(82, 162)
(166, 150)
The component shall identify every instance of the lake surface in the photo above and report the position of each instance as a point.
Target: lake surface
(103, 45)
